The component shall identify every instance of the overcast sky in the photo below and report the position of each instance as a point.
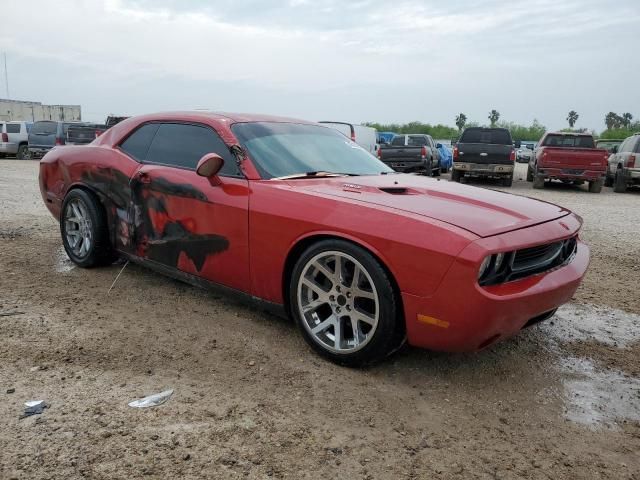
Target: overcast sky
(330, 59)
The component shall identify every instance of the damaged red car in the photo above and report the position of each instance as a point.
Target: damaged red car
(300, 217)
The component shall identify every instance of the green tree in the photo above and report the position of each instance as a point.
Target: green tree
(461, 121)
(572, 118)
(613, 120)
(494, 116)
(626, 119)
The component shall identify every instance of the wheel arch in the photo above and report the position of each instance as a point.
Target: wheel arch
(102, 201)
(306, 241)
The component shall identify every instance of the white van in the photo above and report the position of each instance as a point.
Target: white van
(366, 137)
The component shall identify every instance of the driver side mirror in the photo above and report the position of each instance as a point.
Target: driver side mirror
(210, 165)
(518, 144)
(438, 145)
(614, 149)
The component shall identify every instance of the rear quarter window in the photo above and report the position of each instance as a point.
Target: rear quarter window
(137, 144)
(13, 128)
(417, 141)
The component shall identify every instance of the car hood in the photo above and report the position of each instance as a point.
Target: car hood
(478, 210)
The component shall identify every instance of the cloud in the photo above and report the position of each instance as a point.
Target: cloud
(360, 60)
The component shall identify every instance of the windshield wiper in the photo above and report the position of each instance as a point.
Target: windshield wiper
(317, 174)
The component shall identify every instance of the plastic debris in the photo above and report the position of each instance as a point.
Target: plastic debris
(152, 400)
(34, 407)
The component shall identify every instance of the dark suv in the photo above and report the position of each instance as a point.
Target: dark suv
(46, 134)
(484, 152)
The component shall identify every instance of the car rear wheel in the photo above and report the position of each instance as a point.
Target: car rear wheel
(538, 180)
(529, 174)
(83, 226)
(620, 183)
(344, 304)
(23, 153)
(596, 186)
(608, 180)
(456, 175)
(507, 181)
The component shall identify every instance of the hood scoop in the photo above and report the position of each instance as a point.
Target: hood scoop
(398, 190)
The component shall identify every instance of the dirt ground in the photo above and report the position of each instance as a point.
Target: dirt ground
(560, 401)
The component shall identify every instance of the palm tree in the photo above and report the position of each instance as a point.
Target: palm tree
(461, 121)
(572, 118)
(612, 120)
(626, 119)
(494, 116)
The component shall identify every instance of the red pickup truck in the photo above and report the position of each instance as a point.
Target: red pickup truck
(569, 157)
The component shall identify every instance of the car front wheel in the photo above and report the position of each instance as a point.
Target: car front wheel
(344, 304)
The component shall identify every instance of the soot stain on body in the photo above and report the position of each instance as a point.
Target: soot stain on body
(133, 209)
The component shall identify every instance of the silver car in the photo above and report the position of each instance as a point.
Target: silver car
(14, 139)
(623, 169)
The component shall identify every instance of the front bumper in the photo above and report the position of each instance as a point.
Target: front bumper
(483, 168)
(463, 316)
(571, 174)
(8, 148)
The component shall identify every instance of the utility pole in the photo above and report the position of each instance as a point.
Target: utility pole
(6, 75)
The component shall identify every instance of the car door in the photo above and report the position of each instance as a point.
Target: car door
(186, 222)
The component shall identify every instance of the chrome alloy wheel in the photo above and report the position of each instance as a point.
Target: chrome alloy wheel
(338, 302)
(78, 228)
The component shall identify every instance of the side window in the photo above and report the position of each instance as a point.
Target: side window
(182, 145)
(137, 144)
(637, 140)
(13, 128)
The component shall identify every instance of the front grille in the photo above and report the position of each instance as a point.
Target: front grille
(541, 258)
(530, 261)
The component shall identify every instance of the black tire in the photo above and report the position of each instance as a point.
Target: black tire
(596, 186)
(389, 333)
(507, 181)
(456, 175)
(608, 180)
(529, 174)
(538, 180)
(23, 152)
(620, 183)
(100, 251)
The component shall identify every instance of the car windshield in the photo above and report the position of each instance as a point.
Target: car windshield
(285, 149)
(568, 141)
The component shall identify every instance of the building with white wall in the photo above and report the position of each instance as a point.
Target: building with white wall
(34, 111)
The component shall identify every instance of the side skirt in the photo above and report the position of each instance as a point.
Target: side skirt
(271, 307)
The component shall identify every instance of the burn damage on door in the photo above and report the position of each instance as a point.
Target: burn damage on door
(141, 221)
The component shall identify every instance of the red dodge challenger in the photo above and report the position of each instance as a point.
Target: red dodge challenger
(298, 216)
